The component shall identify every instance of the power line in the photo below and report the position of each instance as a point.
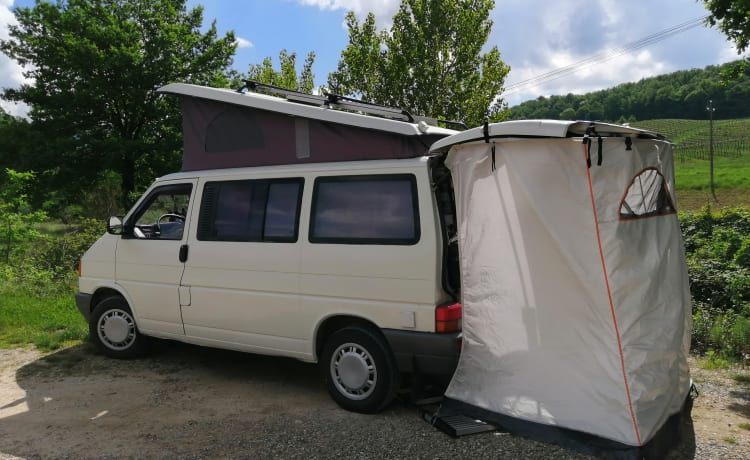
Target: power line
(605, 55)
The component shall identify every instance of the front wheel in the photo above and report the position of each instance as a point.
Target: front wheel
(359, 370)
(113, 330)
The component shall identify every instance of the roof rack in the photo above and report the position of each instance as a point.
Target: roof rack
(330, 100)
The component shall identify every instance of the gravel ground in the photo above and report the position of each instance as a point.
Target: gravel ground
(195, 403)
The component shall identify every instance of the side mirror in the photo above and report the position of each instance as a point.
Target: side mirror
(114, 225)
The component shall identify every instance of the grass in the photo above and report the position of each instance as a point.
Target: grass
(713, 361)
(53, 227)
(731, 161)
(741, 378)
(731, 183)
(729, 173)
(744, 426)
(730, 440)
(48, 322)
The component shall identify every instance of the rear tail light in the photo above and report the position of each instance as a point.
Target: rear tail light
(448, 318)
(80, 267)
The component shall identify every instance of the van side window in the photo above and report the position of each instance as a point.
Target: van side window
(162, 215)
(375, 209)
(250, 210)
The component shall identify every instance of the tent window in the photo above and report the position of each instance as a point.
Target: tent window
(646, 196)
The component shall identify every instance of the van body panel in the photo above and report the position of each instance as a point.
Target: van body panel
(381, 280)
(150, 271)
(271, 297)
(99, 268)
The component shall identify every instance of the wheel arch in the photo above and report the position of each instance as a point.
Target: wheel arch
(335, 323)
(105, 292)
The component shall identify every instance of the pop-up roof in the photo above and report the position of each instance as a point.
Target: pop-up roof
(225, 128)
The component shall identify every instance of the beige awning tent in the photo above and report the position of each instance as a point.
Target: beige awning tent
(574, 284)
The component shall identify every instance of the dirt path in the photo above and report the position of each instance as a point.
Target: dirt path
(191, 402)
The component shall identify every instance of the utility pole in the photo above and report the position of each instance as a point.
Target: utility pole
(711, 111)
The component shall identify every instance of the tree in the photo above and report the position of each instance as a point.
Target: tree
(286, 77)
(732, 17)
(568, 114)
(95, 66)
(430, 62)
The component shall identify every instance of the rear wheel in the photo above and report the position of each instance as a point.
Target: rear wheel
(359, 370)
(113, 330)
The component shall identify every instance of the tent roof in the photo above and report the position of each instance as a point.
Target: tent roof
(537, 128)
(296, 109)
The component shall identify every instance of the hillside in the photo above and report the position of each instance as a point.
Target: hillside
(731, 160)
(682, 94)
(691, 137)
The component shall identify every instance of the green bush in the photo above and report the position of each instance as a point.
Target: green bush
(717, 247)
(17, 219)
(60, 255)
(718, 257)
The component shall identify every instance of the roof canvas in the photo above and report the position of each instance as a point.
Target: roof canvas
(224, 128)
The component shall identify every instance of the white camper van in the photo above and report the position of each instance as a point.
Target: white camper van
(539, 262)
(272, 240)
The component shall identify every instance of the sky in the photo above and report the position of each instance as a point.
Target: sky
(534, 37)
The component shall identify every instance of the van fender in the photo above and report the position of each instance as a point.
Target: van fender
(108, 289)
(331, 323)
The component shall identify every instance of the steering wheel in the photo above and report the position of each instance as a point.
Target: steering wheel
(169, 216)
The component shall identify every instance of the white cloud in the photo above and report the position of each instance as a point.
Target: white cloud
(538, 36)
(11, 74)
(243, 43)
(382, 9)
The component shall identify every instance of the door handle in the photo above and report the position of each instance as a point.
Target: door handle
(183, 253)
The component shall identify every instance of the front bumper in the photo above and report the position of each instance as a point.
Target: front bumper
(83, 301)
(425, 352)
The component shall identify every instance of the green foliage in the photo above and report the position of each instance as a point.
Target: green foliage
(430, 62)
(287, 76)
(37, 306)
(60, 255)
(714, 361)
(681, 94)
(731, 17)
(95, 66)
(103, 199)
(716, 248)
(17, 219)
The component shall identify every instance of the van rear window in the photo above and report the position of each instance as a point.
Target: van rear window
(379, 209)
(250, 210)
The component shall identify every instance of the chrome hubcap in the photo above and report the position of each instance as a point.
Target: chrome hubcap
(353, 371)
(116, 329)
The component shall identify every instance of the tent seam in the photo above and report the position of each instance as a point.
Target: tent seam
(611, 302)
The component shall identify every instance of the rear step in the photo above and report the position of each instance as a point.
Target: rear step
(458, 425)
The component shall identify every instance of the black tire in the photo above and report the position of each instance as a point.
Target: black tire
(112, 329)
(359, 370)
